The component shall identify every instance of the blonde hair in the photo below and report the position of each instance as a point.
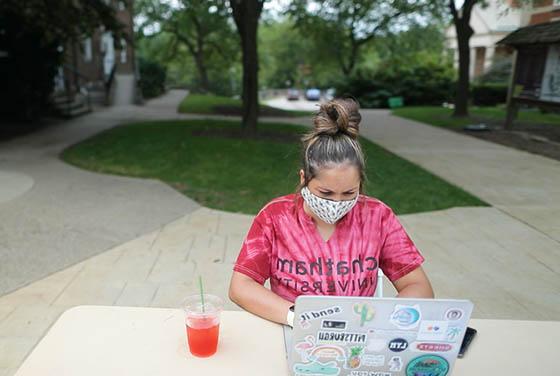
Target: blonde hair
(333, 140)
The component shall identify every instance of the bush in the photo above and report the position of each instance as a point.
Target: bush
(488, 94)
(425, 83)
(152, 78)
(499, 72)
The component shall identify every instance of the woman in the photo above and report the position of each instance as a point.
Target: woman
(328, 238)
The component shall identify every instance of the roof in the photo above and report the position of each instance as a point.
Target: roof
(545, 33)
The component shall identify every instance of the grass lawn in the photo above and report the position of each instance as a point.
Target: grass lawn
(216, 105)
(441, 117)
(241, 175)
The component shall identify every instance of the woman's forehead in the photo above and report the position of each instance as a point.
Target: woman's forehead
(339, 177)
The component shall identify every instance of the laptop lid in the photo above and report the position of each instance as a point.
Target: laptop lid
(363, 336)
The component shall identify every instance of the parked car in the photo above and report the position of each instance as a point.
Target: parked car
(313, 94)
(293, 94)
(329, 94)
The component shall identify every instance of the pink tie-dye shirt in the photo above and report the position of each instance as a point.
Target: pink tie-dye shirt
(283, 245)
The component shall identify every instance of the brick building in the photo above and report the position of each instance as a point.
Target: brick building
(100, 69)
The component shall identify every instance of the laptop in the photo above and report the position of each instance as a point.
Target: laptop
(363, 336)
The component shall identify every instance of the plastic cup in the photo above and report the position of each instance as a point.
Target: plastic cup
(202, 326)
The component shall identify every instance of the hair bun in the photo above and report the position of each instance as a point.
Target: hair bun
(338, 116)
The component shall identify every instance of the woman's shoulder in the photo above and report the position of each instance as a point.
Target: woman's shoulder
(279, 205)
(371, 205)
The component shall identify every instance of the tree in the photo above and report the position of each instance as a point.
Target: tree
(461, 20)
(405, 47)
(246, 14)
(283, 51)
(201, 26)
(32, 37)
(342, 27)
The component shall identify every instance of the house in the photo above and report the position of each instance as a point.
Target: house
(493, 23)
(99, 69)
(490, 24)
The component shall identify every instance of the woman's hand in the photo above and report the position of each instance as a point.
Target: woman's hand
(257, 299)
(414, 285)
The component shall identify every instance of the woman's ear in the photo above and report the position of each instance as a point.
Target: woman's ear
(301, 177)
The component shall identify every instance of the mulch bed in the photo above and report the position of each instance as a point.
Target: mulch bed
(541, 139)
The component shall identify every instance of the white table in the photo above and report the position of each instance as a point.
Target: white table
(96, 340)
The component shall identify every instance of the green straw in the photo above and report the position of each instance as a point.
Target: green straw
(201, 292)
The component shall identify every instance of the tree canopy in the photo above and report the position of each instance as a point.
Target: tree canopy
(201, 28)
(341, 28)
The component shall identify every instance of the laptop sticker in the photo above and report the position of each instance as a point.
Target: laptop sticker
(316, 368)
(452, 334)
(365, 311)
(395, 364)
(333, 324)
(306, 317)
(376, 344)
(325, 353)
(432, 365)
(454, 314)
(432, 330)
(304, 348)
(398, 344)
(355, 357)
(406, 317)
(431, 347)
(373, 360)
(341, 337)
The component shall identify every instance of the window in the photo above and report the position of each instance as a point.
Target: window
(87, 50)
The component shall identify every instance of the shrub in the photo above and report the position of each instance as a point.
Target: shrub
(489, 94)
(424, 83)
(152, 78)
(499, 71)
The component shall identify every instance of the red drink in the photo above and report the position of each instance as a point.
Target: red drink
(203, 338)
(202, 319)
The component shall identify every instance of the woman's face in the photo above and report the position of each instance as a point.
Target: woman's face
(339, 183)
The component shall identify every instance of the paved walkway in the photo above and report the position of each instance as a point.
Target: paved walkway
(54, 215)
(524, 185)
(510, 268)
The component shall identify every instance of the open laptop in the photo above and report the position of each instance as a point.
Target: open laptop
(363, 336)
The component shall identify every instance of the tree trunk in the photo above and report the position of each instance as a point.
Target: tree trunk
(202, 73)
(464, 33)
(250, 79)
(461, 20)
(246, 14)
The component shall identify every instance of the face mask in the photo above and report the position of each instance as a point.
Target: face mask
(327, 210)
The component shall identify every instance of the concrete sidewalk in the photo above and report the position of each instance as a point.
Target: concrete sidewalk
(523, 185)
(54, 215)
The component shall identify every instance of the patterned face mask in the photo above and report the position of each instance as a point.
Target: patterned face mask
(327, 210)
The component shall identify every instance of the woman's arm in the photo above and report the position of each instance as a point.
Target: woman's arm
(414, 285)
(257, 299)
